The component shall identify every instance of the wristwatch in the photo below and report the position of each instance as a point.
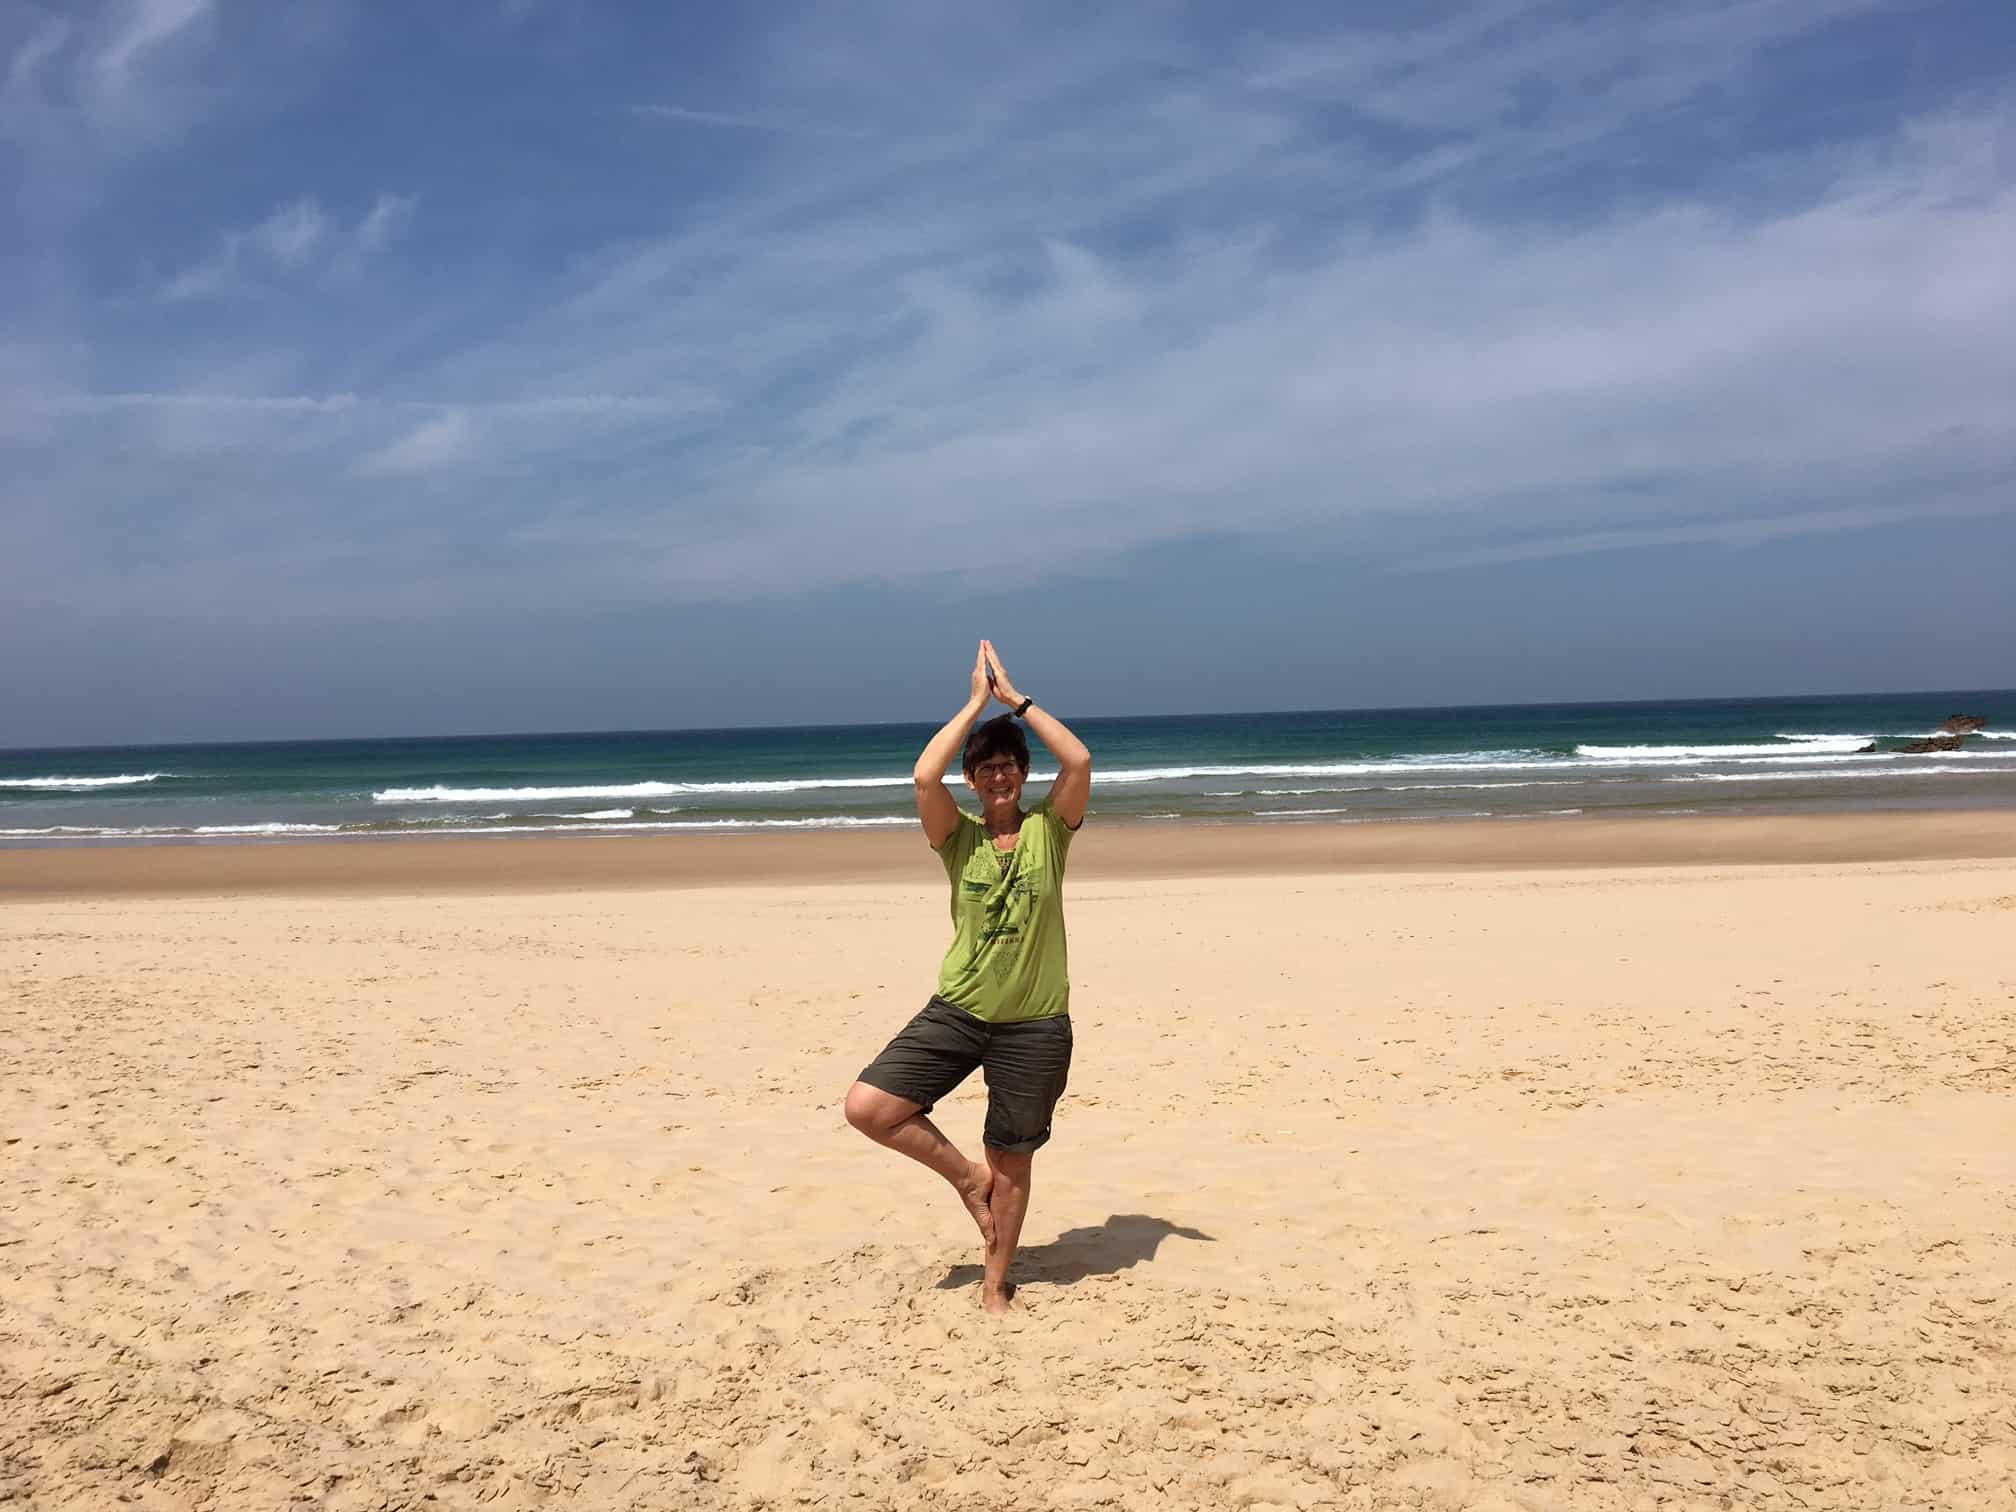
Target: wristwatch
(1023, 707)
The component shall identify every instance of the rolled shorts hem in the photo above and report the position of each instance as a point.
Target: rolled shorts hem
(1019, 1147)
(875, 1077)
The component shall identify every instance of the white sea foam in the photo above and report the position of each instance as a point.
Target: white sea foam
(1910, 735)
(1300, 792)
(1791, 745)
(81, 784)
(1877, 757)
(1124, 777)
(1608, 766)
(97, 832)
(1450, 787)
(1514, 753)
(831, 821)
(627, 790)
(50, 829)
(1945, 771)
(1308, 813)
(834, 821)
(1830, 750)
(143, 832)
(262, 829)
(1416, 818)
(1137, 775)
(440, 820)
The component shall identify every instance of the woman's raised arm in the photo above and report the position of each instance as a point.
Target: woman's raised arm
(1073, 787)
(936, 809)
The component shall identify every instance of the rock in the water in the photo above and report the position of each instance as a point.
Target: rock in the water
(1936, 743)
(1868, 750)
(1962, 724)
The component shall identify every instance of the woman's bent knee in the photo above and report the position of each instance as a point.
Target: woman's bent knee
(875, 1112)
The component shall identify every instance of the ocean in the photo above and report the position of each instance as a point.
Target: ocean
(1353, 766)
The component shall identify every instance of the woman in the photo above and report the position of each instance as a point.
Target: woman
(1004, 994)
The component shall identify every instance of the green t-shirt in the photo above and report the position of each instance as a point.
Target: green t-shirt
(1007, 961)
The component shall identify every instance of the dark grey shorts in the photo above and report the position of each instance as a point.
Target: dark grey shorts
(1026, 1066)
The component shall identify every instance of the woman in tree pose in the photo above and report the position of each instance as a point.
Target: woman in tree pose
(1004, 994)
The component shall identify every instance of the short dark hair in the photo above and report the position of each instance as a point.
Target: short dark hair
(1000, 736)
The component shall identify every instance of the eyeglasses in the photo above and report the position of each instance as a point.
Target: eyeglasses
(995, 769)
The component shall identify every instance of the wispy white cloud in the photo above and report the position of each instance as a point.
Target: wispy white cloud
(296, 238)
(95, 404)
(555, 407)
(429, 447)
(289, 235)
(386, 218)
(1477, 70)
(1735, 534)
(25, 68)
(145, 26)
(738, 122)
(639, 406)
(1062, 401)
(214, 275)
(346, 434)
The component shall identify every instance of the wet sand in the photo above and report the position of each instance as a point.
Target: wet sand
(1137, 850)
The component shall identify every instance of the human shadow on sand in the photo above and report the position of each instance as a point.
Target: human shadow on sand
(1122, 1242)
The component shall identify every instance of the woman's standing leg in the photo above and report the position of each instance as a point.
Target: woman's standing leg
(1009, 1205)
(1027, 1066)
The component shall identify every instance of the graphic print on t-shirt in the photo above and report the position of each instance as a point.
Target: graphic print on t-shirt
(1007, 959)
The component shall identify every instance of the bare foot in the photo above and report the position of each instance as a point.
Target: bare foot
(997, 1302)
(975, 1191)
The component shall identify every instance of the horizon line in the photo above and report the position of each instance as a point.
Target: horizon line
(882, 724)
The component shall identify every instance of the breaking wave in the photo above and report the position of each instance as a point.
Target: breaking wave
(81, 784)
(626, 790)
(1787, 745)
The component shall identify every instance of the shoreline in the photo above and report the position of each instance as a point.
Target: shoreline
(451, 865)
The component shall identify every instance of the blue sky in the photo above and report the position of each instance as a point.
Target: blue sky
(395, 368)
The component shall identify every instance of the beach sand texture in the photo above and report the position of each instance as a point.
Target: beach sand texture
(1681, 1187)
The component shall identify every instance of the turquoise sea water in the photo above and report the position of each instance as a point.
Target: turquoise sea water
(1782, 755)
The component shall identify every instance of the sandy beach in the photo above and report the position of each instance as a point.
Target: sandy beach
(1477, 1167)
